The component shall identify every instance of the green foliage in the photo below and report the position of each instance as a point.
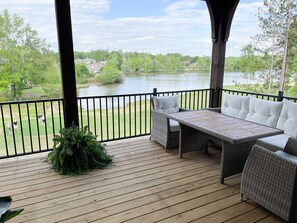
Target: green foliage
(5, 213)
(76, 151)
(203, 63)
(257, 88)
(116, 58)
(82, 73)
(24, 56)
(109, 74)
(249, 63)
(292, 46)
(97, 55)
(137, 63)
(35, 92)
(276, 19)
(233, 63)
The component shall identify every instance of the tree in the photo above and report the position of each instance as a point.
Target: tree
(20, 53)
(82, 73)
(249, 62)
(51, 78)
(203, 63)
(276, 18)
(292, 56)
(292, 48)
(109, 74)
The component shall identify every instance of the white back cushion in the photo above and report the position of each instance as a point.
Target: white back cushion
(288, 118)
(235, 106)
(166, 104)
(264, 112)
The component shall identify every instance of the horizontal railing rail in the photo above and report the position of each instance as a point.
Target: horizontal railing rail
(290, 98)
(269, 97)
(28, 127)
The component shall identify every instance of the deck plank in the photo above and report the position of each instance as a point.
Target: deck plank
(145, 184)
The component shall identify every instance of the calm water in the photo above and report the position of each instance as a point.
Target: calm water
(163, 82)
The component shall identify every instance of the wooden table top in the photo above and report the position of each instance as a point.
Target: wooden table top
(224, 127)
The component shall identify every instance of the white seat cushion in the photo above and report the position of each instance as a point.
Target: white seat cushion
(288, 118)
(166, 104)
(287, 156)
(235, 106)
(264, 112)
(274, 143)
(174, 125)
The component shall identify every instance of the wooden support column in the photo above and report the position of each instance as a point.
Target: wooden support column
(65, 41)
(221, 15)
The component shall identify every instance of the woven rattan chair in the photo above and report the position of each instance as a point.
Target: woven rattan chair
(164, 130)
(269, 178)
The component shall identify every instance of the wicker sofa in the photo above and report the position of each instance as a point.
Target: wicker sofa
(269, 178)
(281, 115)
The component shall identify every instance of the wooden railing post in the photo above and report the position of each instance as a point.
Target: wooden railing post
(155, 91)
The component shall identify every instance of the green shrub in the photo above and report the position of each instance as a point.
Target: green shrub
(77, 151)
(109, 74)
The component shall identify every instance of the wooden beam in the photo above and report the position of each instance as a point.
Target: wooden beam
(221, 15)
(65, 41)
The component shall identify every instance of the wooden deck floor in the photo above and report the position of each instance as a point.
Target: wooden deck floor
(146, 184)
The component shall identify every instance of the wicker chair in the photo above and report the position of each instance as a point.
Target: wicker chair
(269, 178)
(164, 130)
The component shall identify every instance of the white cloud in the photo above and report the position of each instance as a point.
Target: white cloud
(183, 27)
(144, 38)
(244, 25)
(89, 7)
(186, 8)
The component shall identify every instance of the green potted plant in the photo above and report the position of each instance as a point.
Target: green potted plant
(77, 151)
(5, 213)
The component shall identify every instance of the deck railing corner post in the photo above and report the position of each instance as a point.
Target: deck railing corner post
(155, 91)
(220, 95)
(280, 96)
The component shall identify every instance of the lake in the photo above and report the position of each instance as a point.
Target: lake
(163, 82)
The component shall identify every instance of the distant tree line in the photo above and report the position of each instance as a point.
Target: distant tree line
(126, 63)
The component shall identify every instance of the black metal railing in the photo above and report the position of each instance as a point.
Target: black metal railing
(28, 127)
(124, 116)
(269, 97)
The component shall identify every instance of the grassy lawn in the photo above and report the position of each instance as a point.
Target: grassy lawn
(34, 93)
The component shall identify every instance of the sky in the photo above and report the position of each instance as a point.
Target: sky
(153, 26)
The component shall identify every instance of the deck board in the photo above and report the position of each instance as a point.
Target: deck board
(145, 184)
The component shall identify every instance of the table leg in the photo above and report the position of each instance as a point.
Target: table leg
(190, 140)
(233, 158)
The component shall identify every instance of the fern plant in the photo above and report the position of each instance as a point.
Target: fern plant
(77, 151)
(5, 213)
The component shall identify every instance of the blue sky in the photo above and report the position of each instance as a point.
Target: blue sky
(154, 26)
(134, 8)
